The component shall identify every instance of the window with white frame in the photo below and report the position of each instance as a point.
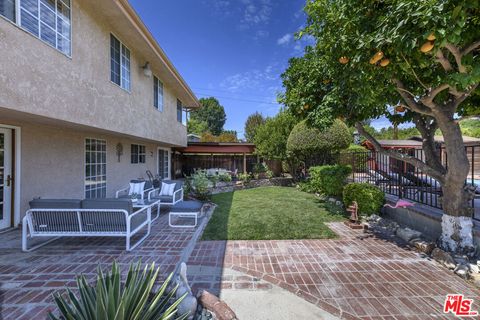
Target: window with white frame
(7, 9)
(48, 20)
(179, 111)
(95, 168)
(119, 63)
(138, 152)
(157, 94)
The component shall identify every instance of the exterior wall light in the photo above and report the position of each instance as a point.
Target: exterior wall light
(147, 72)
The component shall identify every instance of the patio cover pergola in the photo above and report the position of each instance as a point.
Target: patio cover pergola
(227, 155)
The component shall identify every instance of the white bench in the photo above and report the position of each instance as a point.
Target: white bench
(44, 222)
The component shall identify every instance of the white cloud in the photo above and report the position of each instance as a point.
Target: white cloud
(285, 39)
(252, 79)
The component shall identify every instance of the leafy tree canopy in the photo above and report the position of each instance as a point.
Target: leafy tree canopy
(254, 121)
(212, 113)
(271, 138)
(340, 76)
(197, 126)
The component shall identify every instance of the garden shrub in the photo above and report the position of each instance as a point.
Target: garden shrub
(244, 177)
(368, 197)
(214, 179)
(225, 177)
(200, 183)
(329, 180)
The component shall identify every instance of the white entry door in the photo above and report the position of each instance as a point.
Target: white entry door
(6, 181)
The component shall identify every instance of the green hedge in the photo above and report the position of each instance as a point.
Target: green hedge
(368, 197)
(329, 180)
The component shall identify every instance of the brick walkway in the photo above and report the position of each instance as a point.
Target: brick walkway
(352, 278)
(27, 280)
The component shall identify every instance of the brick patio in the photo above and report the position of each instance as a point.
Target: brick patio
(369, 278)
(27, 280)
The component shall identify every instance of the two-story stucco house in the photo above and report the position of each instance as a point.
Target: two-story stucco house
(88, 101)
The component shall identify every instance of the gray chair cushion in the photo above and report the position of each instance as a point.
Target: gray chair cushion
(55, 204)
(120, 204)
(163, 198)
(187, 206)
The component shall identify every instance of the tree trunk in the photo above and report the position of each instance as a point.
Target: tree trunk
(457, 224)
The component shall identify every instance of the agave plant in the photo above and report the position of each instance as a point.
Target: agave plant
(112, 300)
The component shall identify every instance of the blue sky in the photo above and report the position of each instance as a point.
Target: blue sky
(234, 50)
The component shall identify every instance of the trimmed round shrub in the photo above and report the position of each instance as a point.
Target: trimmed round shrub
(369, 198)
(329, 180)
(305, 141)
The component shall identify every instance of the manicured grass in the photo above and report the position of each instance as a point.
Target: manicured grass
(270, 213)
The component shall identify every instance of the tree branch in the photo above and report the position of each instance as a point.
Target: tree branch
(447, 66)
(425, 168)
(471, 47)
(463, 96)
(428, 99)
(458, 57)
(409, 99)
(414, 73)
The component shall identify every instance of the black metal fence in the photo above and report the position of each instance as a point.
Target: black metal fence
(396, 177)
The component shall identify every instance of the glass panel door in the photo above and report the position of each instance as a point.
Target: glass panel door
(6, 181)
(163, 164)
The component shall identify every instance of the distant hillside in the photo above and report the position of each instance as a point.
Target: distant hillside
(470, 127)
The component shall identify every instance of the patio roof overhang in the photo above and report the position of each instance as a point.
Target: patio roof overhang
(218, 148)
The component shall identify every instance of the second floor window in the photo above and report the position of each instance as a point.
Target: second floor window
(179, 111)
(157, 94)
(119, 63)
(137, 153)
(7, 9)
(48, 20)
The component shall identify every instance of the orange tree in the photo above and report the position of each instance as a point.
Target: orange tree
(419, 57)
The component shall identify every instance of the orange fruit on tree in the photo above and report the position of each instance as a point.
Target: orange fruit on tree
(385, 62)
(343, 60)
(376, 57)
(431, 37)
(400, 108)
(427, 46)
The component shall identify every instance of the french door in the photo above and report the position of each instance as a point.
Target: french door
(164, 163)
(6, 181)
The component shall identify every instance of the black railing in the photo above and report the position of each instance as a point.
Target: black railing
(396, 177)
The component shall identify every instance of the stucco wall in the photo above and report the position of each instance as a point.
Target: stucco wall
(52, 162)
(38, 79)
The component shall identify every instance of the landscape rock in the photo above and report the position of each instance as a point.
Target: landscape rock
(407, 234)
(474, 268)
(423, 246)
(374, 218)
(462, 270)
(444, 258)
(219, 308)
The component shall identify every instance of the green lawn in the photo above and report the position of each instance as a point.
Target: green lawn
(270, 213)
